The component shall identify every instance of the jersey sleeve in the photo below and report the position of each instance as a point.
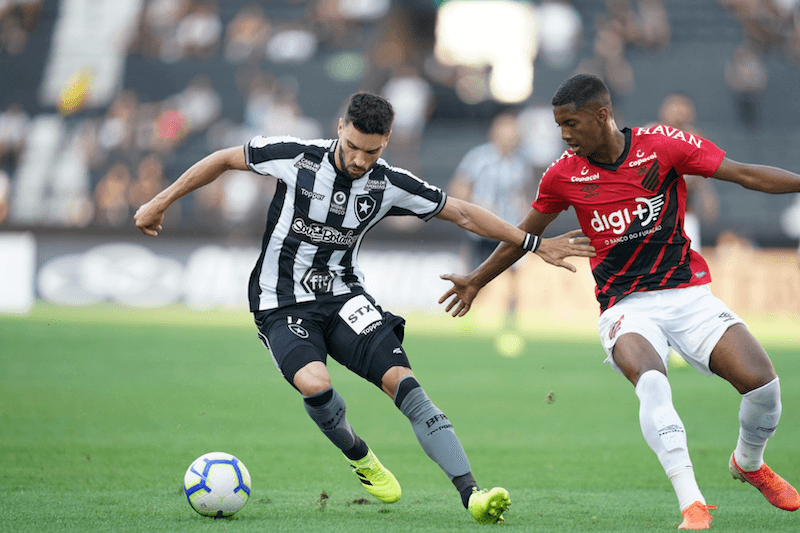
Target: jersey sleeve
(413, 196)
(269, 156)
(547, 198)
(695, 155)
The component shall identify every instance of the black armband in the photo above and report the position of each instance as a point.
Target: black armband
(531, 243)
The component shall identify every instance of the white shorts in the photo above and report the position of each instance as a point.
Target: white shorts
(690, 320)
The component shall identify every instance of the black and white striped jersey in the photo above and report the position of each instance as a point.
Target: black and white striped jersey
(319, 216)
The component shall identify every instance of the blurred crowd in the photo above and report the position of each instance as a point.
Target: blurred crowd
(78, 163)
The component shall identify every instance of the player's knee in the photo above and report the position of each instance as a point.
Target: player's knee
(393, 377)
(312, 378)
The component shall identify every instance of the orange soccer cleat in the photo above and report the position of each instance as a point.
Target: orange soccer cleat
(696, 516)
(775, 489)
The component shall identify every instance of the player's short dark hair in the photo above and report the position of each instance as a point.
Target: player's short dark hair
(369, 113)
(582, 89)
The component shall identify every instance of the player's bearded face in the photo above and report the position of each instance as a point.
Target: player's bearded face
(580, 128)
(357, 152)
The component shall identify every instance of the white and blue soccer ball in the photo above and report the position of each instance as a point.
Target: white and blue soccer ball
(217, 484)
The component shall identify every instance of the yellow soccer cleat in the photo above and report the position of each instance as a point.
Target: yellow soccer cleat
(487, 505)
(376, 478)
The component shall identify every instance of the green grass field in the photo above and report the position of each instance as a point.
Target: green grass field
(102, 410)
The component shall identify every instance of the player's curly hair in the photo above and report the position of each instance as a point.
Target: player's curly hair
(582, 89)
(369, 113)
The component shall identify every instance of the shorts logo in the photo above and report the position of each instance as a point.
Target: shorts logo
(296, 328)
(361, 315)
(307, 165)
(726, 316)
(612, 331)
(364, 206)
(318, 281)
(701, 274)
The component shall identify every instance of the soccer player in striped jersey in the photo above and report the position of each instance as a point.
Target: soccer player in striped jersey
(627, 189)
(306, 291)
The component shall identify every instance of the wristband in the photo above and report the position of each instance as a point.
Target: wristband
(531, 243)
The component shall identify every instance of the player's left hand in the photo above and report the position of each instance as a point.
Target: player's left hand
(572, 243)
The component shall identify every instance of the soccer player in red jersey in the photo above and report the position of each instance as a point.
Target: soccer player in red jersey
(627, 189)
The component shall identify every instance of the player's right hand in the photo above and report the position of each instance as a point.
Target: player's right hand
(148, 219)
(462, 291)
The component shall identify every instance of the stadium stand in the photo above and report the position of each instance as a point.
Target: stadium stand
(320, 55)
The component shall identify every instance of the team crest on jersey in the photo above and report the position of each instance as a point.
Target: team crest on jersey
(364, 206)
(307, 165)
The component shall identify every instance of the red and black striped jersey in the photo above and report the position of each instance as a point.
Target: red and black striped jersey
(633, 210)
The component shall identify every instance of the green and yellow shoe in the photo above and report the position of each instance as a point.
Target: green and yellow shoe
(376, 478)
(487, 505)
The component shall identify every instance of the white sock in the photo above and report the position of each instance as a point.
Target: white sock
(664, 432)
(759, 413)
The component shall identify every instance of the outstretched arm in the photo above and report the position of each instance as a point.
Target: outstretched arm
(761, 178)
(150, 216)
(554, 250)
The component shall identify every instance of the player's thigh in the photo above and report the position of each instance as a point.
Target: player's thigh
(632, 337)
(741, 360)
(696, 322)
(366, 339)
(295, 339)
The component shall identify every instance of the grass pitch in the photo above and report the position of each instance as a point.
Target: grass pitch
(102, 410)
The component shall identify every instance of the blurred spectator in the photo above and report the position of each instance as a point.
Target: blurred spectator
(247, 34)
(115, 135)
(655, 29)
(540, 138)
(111, 197)
(746, 76)
(495, 175)
(159, 20)
(199, 103)
(149, 181)
(199, 33)
(411, 95)
(18, 19)
(14, 124)
(702, 204)
(560, 32)
(293, 43)
(5, 194)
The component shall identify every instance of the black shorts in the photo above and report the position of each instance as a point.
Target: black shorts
(352, 328)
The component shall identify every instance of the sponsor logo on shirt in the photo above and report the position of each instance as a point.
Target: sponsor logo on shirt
(318, 281)
(307, 165)
(642, 159)
(580, 179)
(647, 210)
(375, 185)
(672, 133)
(320, 234)
(338, 203)
(311, 194)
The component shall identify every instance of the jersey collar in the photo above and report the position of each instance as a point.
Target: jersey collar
(616, 164)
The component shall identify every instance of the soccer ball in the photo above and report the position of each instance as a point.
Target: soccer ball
(217, 484)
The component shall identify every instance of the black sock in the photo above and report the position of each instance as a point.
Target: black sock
(464, 485)
(358, 451)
